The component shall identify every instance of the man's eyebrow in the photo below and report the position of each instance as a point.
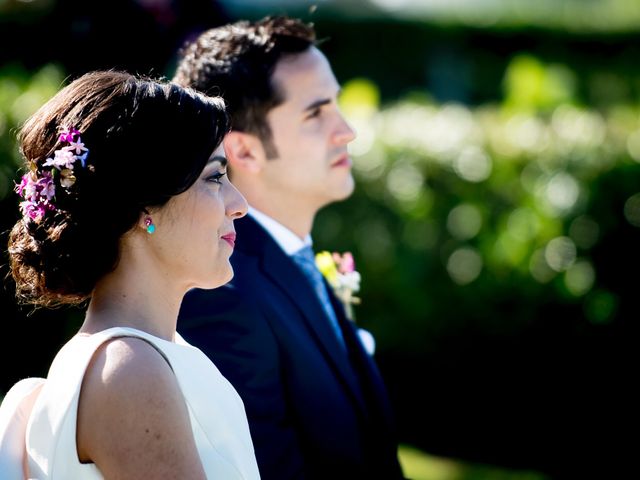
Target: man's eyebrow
(317, 104)
(218, 158)
(322, 101)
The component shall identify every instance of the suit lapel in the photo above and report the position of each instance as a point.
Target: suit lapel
(283, 271)
(371, 380)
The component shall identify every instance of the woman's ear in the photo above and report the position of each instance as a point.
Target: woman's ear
(146, 222)
(244, 151)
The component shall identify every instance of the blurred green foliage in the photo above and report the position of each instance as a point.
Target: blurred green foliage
(573, 15)
(459, 208)
(418, 465)
(22, 92)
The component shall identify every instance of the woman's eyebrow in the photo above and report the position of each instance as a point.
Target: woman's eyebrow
(218, 158)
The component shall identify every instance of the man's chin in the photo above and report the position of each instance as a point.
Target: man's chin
(347, 190)
(338, 193)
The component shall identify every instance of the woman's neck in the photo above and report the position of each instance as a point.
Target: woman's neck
(131, 296)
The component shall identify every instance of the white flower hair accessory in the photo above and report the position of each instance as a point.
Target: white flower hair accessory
(38, 188)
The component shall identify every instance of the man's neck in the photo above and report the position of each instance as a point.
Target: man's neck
(288, 241)
(300, 224)
(282, 206)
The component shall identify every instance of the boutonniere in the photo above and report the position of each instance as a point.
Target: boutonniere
(340, 272)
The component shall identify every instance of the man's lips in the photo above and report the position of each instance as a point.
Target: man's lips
(342, 161)
(230, 238)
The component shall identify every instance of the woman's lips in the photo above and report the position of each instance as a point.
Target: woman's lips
(230, 238)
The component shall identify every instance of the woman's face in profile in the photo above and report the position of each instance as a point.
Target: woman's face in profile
(195, 233)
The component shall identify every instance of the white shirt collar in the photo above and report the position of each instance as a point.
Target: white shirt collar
(285, 238)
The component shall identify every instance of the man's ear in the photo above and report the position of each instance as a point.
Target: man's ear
(244, 151)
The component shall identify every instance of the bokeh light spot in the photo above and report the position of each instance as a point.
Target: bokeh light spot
(473, 164)
(464, 265)
(632, 210)
(560, 253)
(464, 221)
(580, 277)
(584, 231)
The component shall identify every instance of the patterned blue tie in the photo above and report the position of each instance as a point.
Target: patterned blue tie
(307, 262)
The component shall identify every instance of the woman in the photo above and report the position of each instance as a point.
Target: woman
(126, 204)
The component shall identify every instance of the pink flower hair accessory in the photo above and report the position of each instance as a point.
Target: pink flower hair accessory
(38, 187)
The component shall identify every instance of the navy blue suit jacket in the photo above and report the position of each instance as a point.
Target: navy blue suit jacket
(314, 410)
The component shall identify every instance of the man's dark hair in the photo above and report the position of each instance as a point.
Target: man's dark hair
(236, 61)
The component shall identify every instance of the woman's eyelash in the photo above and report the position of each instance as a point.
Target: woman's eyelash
(216, 177)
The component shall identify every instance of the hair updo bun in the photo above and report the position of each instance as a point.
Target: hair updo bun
(147, 141)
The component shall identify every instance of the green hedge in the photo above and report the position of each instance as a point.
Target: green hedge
(458, 210)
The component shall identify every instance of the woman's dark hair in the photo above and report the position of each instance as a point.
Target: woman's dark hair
(148, 141)
(237, 61)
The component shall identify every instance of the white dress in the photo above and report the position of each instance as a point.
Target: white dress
(217, 414)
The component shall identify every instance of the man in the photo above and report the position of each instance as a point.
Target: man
(316, 404)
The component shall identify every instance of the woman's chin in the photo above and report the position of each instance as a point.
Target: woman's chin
(221, 277)
(210, 280)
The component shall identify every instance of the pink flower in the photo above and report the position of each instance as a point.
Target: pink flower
(345, 262)
(38, 194)
(67, 134)
(46, 186)
(28, 188)
(20, 187)
(35, 211)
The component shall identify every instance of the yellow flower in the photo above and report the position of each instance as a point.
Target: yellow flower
(326, 265)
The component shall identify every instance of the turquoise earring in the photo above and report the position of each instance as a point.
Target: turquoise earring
(149, 224)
